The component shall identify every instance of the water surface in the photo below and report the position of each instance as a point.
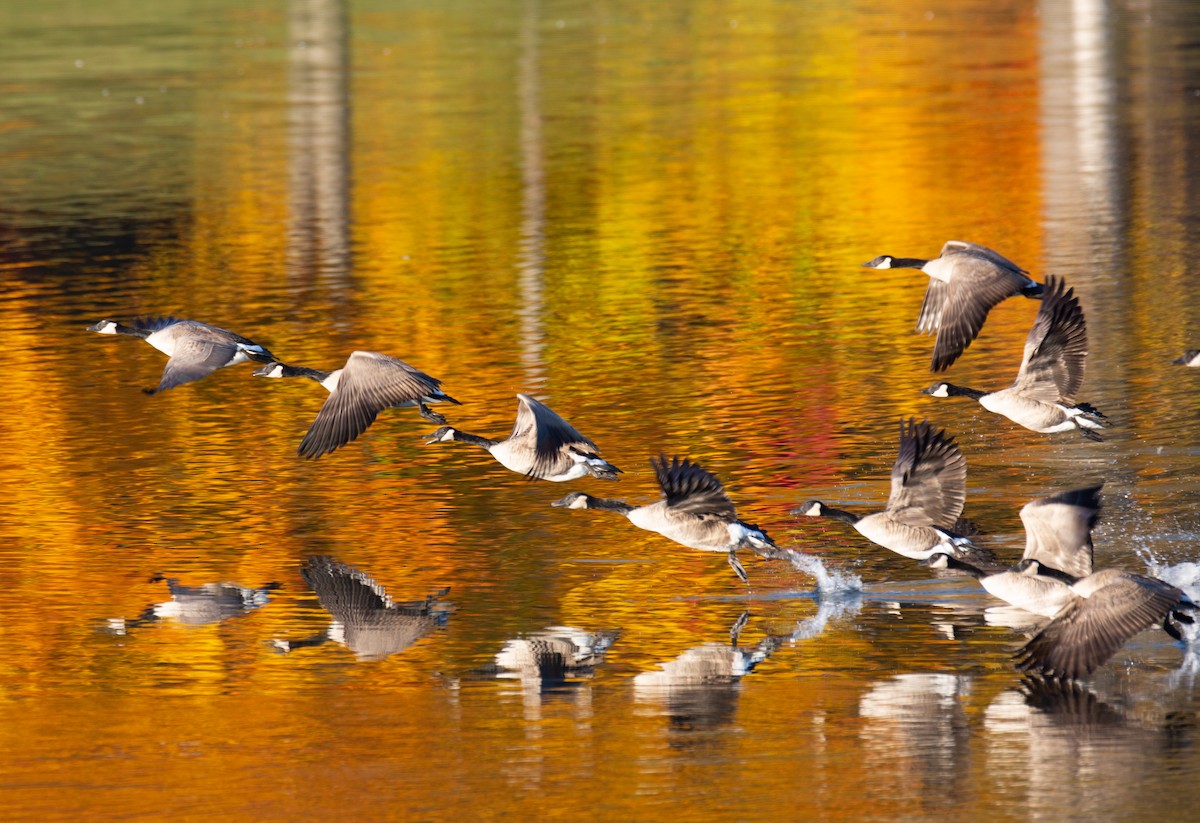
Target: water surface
(653, 217)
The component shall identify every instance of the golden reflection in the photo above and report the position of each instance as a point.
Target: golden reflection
(654, 216)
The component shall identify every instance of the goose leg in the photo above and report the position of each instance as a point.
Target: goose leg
(736, 565)
(429, 414)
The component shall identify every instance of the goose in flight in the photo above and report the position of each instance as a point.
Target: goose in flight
(929, 488)
(694, 511)
(196, 349)
(1042, 398)
(542, 445)
(369, 383)
(1106, 608)
(1058, 552)
(965, 281)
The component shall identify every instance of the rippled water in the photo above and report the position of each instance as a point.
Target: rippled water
(653, 217)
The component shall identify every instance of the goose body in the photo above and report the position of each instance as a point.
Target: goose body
(542, 445)
(929, 488)
(965, 281)
(1042, 398)
(1058, 552)
(195, 349)
(694, 511)
(1105, 609)
(369, 383)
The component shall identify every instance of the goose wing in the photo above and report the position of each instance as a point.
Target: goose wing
(929, 477)
(1089, 630)
(1052, 368)
(193, 359)
(687, 487)
(369, 383)
(1058, 530)
(541, 428)
(994, 257)
(975, 280)
(930, 317)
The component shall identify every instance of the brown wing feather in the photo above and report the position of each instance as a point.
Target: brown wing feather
(1056, 349)
(929, 477)
(1058, 530)
(689, 488)
(1089, 630)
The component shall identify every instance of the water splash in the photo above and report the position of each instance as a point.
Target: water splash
(831, 585)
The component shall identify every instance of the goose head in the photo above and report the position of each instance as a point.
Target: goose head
(574, 500)
(270, 370)
(937, 560)
(937, 390)
(813, 508)
(883, 261)
(1190, 358)
(104, 327)
(443, 435)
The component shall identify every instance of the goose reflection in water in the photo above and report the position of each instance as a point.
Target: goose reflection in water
(196, 605)
(919, 720)
(699, 688)
(365, 618)
(1046, 732)
(549, 657)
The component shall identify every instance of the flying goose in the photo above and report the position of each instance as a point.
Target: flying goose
(694, 511)
(965, 282)
(542, 445)
(196, 349)
(369, 383)
(1042, 398)
(1106, 609)
(1191, 357)
(929, 487)
(1058, 552)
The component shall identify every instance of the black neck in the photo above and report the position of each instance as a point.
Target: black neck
(962, 391)
(619, 506)
(304, 371)
(133, 331)
(908, 262)
(466, 437)
(953, 562)
(840, 514)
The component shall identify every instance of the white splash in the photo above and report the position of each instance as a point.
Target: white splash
(830, 584)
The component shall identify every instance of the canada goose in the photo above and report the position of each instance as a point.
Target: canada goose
(1058, 551)
(965, 282)
(365, 618)
(929, 488)
(1191, 357)
(369, 383)
(1042, 398)
(196, 349)
(694, 511)
(542, 445)
(1106, 609)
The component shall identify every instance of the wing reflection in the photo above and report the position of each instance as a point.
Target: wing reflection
(551, 656)
(365, 618)
(196, 605)
(1044, 734)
